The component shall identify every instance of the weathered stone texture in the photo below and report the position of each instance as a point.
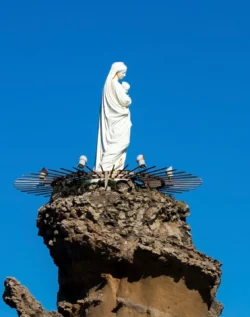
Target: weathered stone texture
(127, 254)
(118, 251)
(18, 297)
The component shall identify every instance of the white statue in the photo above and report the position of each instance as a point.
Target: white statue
(114, 121)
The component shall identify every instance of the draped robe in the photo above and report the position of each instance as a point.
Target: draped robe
(114, 124)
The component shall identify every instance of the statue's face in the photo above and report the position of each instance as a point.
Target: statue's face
(121, 74)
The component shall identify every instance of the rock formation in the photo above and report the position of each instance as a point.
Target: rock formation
(18, 297)
(122, 253)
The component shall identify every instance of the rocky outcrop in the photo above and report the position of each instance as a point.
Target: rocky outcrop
(18, 297)
(127, 254)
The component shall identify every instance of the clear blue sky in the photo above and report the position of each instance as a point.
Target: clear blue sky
(188, 66)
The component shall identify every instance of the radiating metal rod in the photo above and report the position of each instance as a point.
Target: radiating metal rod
(146, 169)
(179, 187)
(112, 171)
(174, 191)
(181, 181)
(79, 172)
(161, 169)
(34, 193)
(169, 178)
(58, 172)
(35, 175)
(173, 174)
(139, 172)
(93, 171)
(178, 179)
(184, 183)
(181, 177)
(32, 186)
(35, 189)
(40, 194)
(56, 176)
(101, 168)
(132, 170)
(123, 170)
(67, 170)
(77, 169)
(33, 180)
(167, 183)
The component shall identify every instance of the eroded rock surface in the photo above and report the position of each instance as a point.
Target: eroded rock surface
(19, 297)
(127, 254)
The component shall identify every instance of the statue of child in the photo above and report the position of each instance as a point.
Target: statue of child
(125, 86)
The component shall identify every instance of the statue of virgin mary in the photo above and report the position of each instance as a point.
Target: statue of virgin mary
(114, 122)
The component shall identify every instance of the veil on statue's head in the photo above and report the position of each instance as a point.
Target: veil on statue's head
(115, 68)
(109, 93)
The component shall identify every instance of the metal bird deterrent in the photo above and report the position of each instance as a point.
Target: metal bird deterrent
(75, 181)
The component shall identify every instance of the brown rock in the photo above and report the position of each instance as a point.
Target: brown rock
(122, 253)
(128, 253)
(18, 297)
